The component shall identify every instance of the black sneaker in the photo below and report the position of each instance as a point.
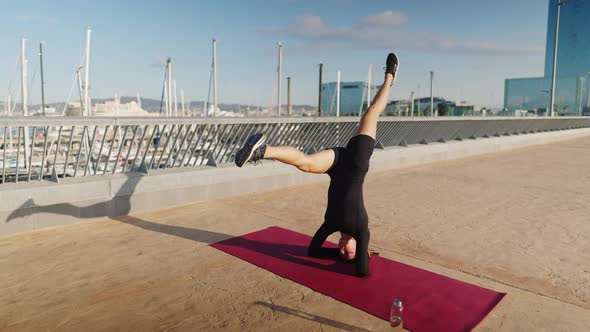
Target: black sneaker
(392, 64)
(252, 151)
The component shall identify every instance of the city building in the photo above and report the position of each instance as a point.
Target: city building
(49, 111)
(353, 98)
(573, 54)
(572, 79)
(441, 107)
(115, 108)
(421, 107)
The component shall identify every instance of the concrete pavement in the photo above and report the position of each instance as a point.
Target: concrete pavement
(516, 222)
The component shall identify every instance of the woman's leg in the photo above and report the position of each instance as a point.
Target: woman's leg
(368, 124)
(319, 162)
(256, 148)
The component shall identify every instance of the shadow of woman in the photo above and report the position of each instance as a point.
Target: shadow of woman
(287, 252)
(119, 204)
(122, 207)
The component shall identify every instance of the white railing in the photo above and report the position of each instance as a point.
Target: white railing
(37, 148)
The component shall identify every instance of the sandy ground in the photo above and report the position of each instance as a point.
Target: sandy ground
(516, 222)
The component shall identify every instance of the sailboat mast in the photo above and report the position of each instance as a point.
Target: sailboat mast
(87, 74)
(80, 91)
(214, 77)
(169, 87)
(42, 81)
(23, 64)
(182, 101)
(175, 100)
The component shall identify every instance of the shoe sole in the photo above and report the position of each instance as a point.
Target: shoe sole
(253, 148)
(396, 69)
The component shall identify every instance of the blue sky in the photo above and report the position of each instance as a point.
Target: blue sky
(471, 45)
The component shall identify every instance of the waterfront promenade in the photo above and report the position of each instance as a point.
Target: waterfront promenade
(515, 221)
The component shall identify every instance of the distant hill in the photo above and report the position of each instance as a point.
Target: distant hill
(153, 105)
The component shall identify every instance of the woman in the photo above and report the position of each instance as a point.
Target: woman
(347, 168)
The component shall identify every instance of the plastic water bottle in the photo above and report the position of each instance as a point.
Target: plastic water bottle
(395, 317)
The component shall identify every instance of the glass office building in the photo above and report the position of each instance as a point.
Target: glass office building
(572, 79)
(571, 94)
(573, 53)
(353, 98)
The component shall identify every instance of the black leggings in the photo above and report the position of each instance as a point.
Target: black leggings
(356, 155)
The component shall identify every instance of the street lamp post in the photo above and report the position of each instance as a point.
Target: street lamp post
(431, 95)
(280, 74)
(320, 90)
(549, 93)
(412, 103)
(552, 100)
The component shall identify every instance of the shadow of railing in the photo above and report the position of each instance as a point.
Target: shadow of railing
(312, 317)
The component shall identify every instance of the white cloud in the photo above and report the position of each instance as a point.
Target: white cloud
(310, 22)
(385, 18)
(374, 33)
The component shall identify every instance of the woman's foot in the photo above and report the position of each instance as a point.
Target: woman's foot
(252, 151)
(392, 64)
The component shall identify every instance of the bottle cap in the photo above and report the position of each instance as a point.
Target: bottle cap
(397, 302)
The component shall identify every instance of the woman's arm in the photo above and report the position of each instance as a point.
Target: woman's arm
(362, 253)
(315, 247)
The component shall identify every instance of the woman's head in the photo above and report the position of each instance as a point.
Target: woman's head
(347, 247)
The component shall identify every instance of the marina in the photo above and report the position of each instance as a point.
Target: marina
(90, 150)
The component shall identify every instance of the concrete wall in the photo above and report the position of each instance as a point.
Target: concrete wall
(30, 206)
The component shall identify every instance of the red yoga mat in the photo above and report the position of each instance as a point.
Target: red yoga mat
(432, 302)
